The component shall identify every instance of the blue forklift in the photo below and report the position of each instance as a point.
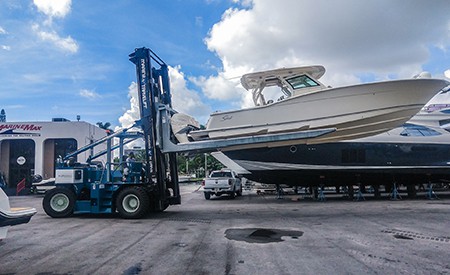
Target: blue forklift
(131, 189)
(134, 189)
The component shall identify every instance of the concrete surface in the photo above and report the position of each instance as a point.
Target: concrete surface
(252, 234)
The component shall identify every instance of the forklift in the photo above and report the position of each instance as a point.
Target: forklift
(134, 189)
(131, 189)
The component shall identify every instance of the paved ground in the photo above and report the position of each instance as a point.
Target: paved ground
(253, 234)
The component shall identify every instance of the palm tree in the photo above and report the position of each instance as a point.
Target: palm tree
(2, 116)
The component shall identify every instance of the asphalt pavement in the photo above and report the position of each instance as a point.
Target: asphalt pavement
(252, 234)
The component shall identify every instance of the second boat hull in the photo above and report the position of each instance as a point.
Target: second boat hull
(343, 163)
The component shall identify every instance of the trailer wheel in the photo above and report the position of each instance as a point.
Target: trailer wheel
(59, 202)
(133, 203)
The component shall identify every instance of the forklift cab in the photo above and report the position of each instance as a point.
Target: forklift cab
(133, 172)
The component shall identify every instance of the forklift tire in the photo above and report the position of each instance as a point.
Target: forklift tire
(166, 203)
(159, 205)
(133, 203)
(59, 202)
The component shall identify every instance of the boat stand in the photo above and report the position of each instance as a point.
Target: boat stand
(394, 194)
(307, 194)
(351, 192)
(430, 193)
(321, 196)
(345, 191)
(359, 195)
(279, 192)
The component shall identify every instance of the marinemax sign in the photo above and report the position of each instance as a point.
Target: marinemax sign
(20, 129)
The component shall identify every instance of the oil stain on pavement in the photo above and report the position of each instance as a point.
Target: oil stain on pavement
(260, 235)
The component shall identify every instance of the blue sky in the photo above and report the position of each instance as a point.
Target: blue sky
(65, 58)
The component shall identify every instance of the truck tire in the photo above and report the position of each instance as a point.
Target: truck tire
(233, 194)
(207, 195)
(239, 192)
(132, 203)
(59, 202)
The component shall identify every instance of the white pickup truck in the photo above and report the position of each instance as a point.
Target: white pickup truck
(220, 182)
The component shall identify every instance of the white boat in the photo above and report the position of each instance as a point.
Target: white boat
(306, 104)
(435, 115)
(12, 216)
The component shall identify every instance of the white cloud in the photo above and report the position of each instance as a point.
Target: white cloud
(217, 87)
(352, 39)
(447, 73)
(4, 47)
(88, 94)
(132, 114)
(226, 84)
(67, 44)
(46, 30)
(54, 8)
(17, 106)
(245, 3)
(184, 100)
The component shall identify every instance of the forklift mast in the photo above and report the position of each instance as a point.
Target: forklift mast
(154, 92)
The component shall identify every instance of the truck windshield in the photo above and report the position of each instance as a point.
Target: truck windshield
(221, 175)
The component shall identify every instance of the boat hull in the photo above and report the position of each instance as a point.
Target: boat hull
(343, 163)
(356, 111)
(10, 217)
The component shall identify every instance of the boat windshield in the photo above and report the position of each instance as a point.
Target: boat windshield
(418, 131)
(301, 81)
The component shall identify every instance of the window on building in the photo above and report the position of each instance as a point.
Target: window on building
(53, 149)
(21, 161)
(64, 147)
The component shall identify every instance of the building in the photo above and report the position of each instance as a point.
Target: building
(31, 148)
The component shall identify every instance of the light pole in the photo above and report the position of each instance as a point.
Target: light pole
(206, 165)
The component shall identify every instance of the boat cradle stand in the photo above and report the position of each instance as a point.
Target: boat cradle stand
(321, 196)
(430, 193)
(394, 194)
(359, 195)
